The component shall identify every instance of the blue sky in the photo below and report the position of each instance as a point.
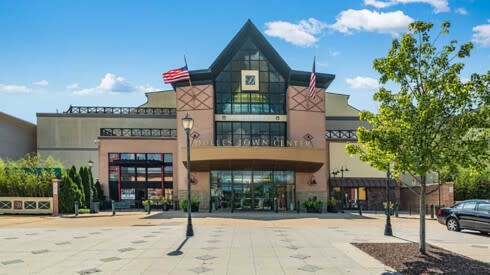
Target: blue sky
(108, 53)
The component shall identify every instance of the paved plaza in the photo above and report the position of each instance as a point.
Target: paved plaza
(224, 243)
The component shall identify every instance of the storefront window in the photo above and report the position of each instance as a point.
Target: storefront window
(127, 156)
(243, 133)
(155, 174)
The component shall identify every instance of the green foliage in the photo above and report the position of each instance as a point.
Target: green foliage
(77, 179)
(99, 193)
(332, 205)
(28, 177)
(472, 184)
(194, 204)
(313, 204)
(68, 194)
(84, 175)
(429, 124)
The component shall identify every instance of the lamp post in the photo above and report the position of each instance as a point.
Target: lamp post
(388, 230)
(341, 171)
(187, 123)
(90, 164)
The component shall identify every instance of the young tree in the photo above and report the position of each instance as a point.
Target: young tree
(86, 185)
(77, 179)
(424, 126)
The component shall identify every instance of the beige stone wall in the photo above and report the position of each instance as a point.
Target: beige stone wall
(133, 145)
(71, 139)
(160, 99)
(17, 137)
(338, 105)
(357, 168)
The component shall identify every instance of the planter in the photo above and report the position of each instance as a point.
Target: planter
(313, 210)
(193, 208)
(165, 207)
(331, 209)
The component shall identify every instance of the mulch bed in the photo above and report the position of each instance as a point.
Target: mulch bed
(405, 258)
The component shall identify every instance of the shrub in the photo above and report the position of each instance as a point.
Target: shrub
(72, 173)
(194, 205)
(99, 192)
(313, 205)
(332, 205)
(68, 194)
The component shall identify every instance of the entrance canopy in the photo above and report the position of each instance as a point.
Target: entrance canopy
(268, 158)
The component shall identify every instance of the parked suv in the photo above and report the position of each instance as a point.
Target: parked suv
(469, 214)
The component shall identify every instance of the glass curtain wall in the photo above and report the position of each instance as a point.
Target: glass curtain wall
(253, 190)
(231, 99)
(134, 177)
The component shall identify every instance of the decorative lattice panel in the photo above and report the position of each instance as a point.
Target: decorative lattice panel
(43, 204)
(195, 98)
(5, 205)
(29, 205)
(300, 100)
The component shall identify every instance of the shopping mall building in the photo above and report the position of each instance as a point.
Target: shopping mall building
(252, 143)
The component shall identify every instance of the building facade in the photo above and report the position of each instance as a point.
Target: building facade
(259, 140)
(17, 137)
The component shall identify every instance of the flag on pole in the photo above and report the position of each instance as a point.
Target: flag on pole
(177, 75)
(312, 88)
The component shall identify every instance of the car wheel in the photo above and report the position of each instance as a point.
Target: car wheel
(452, 224)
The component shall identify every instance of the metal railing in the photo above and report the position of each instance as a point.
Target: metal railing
(341, 134)
(120, 110)
(138, 132)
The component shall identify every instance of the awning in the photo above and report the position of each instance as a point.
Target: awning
(360, 182)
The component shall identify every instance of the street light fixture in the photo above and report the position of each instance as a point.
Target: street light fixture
(341, 171)
(187, 123)
(388, 230)
(90, 164)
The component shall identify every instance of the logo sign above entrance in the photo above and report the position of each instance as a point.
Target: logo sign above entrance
(250, 80)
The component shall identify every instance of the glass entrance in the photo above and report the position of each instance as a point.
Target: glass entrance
(252, 190)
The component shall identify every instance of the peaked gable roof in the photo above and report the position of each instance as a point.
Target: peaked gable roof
(250, 31)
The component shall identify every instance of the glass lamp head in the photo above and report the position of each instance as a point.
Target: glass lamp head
(187, 122)
(90, 163)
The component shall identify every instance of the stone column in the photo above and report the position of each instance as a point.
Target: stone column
(56, 185)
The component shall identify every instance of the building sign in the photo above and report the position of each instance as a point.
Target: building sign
(246, 142)
(250, 80)
(128, 194)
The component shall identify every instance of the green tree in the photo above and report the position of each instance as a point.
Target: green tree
(86, 185)
(425, 126)
(68, 194)
(77, 179)
(100, 193)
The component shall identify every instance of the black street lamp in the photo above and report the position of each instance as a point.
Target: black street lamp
(341, 171)
(388, 230)
(90, 164)
(187, 123)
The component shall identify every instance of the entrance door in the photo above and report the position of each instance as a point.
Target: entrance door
(140, 197)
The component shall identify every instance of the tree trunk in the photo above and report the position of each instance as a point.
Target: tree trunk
(422, 215)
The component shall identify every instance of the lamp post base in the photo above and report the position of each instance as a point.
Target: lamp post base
(388, 231)
(190, 231)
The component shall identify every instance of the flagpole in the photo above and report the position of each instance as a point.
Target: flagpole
(185, 60)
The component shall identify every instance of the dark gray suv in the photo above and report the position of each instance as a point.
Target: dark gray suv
(469, 214)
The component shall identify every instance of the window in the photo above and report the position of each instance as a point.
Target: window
(469, 206)
(141, 174)
(154, 174)
(126, 156)
(484, 207)
(362, 193)
(154, 157)
(141, 156)
(231, 98)
(113, 173)
(128, 173)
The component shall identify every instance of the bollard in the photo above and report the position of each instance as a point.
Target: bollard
(298, 206)
(210, 205)
(359, 206)
(276, 204)
(113, 206)
(397, 209)
(409, 210)
(149, 208)
(432, 211)
(76, 209)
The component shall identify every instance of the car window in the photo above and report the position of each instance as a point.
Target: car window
(484, 207)
(458, 206)
(469, 205)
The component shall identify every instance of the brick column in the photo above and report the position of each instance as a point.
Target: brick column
(56, 185)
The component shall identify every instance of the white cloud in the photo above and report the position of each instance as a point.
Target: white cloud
(438, 5)
(362, 82)
(14, 89)
(111, 84)
(334, 53)
(73, 86)
(481, 35)
(303, 34)
(42, 83)
(371, 21)
(461, 11)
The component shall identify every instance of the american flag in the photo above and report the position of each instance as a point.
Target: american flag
(312, 88)
(176, 75)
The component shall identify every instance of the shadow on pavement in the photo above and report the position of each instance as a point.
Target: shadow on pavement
(261, 216)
